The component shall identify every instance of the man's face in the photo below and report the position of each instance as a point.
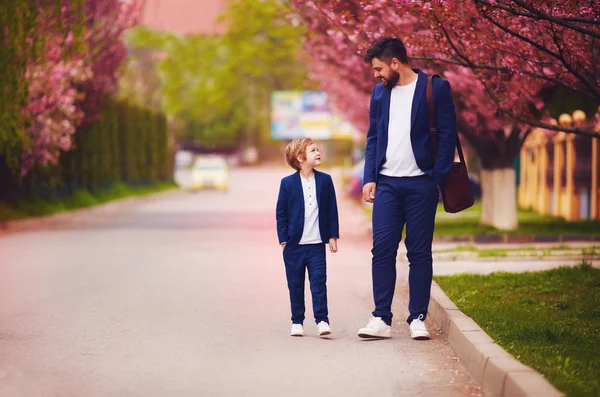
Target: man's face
(313, 156)
(387, 73)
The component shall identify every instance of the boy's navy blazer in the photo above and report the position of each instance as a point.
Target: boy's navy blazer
(377, 136)
(290, 209)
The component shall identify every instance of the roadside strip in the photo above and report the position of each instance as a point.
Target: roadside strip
(496, 370)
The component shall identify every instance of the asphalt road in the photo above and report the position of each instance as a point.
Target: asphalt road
(184, 294)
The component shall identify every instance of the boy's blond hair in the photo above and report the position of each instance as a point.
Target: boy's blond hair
(297, 148)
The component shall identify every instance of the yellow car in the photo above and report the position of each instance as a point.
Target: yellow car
(210, 172)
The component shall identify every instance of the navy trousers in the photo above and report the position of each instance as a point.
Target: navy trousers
(399, 201)
(297, 259)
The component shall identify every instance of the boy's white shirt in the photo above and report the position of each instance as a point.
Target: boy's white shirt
(311, 233)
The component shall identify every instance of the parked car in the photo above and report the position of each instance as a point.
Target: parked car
(210, 172)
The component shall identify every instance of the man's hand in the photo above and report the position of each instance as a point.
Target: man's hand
(369, 192)
(283, 246)
(333, 245)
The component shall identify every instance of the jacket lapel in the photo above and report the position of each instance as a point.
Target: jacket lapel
(419, 95)
(299, 191)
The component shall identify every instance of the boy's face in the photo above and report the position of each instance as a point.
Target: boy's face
(313, 156)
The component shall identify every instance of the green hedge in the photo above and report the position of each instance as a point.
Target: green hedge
(126, 144)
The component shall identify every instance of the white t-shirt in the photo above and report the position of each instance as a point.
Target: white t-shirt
(399, 156)
(311, 233)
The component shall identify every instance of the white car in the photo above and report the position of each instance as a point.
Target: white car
(210, 172)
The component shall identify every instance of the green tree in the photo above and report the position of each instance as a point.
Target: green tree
(217, 88)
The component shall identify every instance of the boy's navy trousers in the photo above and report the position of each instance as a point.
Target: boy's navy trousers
(399, 201)
(297, 258)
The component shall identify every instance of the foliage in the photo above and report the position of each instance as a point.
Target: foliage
(338, 35)
(217, 88)
(515, 47)
(129, 144)
(60, 58)
(35, 206)
(516, 52)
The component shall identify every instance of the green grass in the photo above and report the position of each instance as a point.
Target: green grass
(35, 206)
(526, 251)
(530, 223)
(492, 253)
(467, 222)
(548, 320)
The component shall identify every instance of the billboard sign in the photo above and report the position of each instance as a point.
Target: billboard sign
(297, 114)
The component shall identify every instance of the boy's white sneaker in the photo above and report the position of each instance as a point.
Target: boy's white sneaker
(376, 328)
(324, 329)
(297, 330)
(418, 331)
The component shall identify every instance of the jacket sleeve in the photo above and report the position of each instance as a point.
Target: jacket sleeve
(281, 214)
(445, 117)
(334, 228)
(370, 173)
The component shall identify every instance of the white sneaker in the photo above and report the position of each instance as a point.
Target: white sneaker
(297, 330)
(324, 329)
(418, 330)
(376, 328)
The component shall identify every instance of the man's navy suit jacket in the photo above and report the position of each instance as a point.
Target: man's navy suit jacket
(290, 209)
(377, 136)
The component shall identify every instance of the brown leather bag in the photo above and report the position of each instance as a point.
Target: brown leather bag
(456, 194)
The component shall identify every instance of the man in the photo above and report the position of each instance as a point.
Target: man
(401, 179)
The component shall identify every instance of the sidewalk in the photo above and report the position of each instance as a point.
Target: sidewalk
(498, 373)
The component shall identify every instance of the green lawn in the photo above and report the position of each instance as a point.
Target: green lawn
(467, 222)
(35, 206)
(548, 320)
(523, 251)
(530, 223)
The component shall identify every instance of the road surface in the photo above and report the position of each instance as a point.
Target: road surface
(184, 294)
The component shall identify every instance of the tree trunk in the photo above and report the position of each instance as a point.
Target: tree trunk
(499, 198)
(497, 150)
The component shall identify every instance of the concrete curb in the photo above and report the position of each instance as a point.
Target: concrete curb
(489, 365)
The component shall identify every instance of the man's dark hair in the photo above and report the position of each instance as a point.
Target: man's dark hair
(385, 49)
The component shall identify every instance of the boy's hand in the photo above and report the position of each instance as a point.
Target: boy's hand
(283, 246)
(333, 245)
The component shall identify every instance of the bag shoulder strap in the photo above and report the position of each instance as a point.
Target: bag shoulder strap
(432, 129)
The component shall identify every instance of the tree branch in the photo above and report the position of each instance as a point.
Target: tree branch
(337, 27)
(538, 15)
(447, 35)
(474, 67)
(540, 124)
(591, 86)
(519, 36)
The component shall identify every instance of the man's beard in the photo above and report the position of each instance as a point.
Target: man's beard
(391, 82)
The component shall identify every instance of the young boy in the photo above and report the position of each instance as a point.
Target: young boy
(307, 219)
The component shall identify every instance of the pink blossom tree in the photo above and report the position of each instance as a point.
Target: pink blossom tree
(515, 48)
(497, 105)
(70, 78)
